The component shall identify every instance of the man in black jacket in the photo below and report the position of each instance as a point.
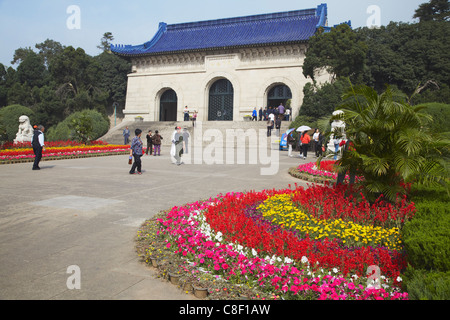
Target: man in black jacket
(38, 146)
(149, 143)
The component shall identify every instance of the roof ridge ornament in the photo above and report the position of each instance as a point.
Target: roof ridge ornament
(161, 29)
(322, 12)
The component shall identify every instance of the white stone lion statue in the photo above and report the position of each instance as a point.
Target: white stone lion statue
(25, 133)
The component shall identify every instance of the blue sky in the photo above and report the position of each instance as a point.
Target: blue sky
(24, 23)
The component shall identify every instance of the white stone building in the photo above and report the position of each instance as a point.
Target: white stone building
(222, 69)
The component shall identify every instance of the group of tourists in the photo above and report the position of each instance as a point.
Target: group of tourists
(280, 112)
(274, 117)
(187, 116)
(179, 147)
(303, 142)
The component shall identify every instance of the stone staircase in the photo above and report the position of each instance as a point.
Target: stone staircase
(225, 132)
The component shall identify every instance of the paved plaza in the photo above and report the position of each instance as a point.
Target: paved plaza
(86, 213)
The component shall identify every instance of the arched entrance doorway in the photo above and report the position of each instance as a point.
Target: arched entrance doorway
(277, 95)
(221, 97)
(168, 106)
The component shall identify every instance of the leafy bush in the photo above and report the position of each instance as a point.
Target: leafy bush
(426, 237)
(441, 116)
(426, 244)
(9, 117)
(426, 285)
(64, 130)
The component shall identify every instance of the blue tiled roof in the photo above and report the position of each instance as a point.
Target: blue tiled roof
(282, 27)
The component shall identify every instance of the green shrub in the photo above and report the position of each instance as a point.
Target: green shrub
(426, 237)
(426, 285)
(441, 116)
(426, 240)
(10, 120)
(64, 130)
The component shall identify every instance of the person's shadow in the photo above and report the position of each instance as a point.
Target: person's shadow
(46, 167)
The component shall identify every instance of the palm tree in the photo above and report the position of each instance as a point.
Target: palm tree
(389, 145)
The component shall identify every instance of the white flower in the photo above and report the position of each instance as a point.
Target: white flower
(254, 252)
(335, 270)
(304, 259)
(287, 260)
(399, 279)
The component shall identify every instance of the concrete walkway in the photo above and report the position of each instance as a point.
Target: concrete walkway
(86, 213)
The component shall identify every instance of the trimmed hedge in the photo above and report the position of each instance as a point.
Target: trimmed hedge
(426, 285)
(426, 237)
(427, 245)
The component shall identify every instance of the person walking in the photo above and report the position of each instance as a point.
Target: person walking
(281, 111)
(305, 139)
(320, 145)
(254, 115)
(149, 143)
(260, 114)
(269, 126)
(288, 114)
(126, 135)
(291, 143)
(136, 152)
(278, 125)
(316, 137)
(178, 142)
(156, 139)
(194, 118)
(38, 146)
(186, 137)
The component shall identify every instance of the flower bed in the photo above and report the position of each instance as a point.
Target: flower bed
(268, 245)
(310, 172)
(59, 150)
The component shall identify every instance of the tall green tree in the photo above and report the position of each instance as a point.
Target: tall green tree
(115, 76)
(49, 49)
(339, 51)
(438, 10)
(105, 43)
(389, 143)
(32, 70)
(408, 56)
(77, 77)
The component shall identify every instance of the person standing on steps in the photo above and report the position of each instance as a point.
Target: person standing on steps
(254, 115)
(194, 118)
(126, 135)
(186, 113)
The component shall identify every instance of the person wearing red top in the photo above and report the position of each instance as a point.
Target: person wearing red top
(305, 139)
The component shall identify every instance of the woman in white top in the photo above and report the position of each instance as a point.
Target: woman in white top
(316, 137)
